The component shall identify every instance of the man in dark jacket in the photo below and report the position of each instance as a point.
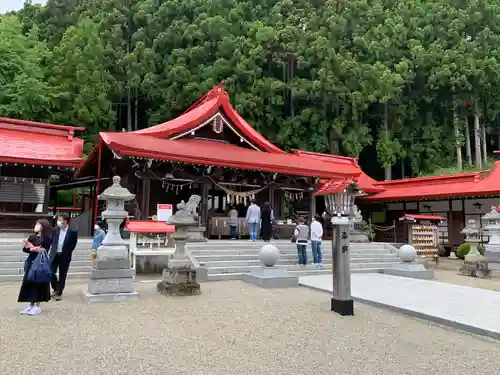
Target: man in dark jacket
(64, 242)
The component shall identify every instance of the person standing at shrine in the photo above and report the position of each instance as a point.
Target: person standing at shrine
(267, 219)
(253, 220)
(316, 237)
(32, 292)
(63, 243)
(233, 222)
(301, 236)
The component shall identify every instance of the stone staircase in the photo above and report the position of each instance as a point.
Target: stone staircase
(226, 260)
(12, 258)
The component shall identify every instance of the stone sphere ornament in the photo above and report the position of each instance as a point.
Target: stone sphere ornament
(269, 255)
(407, 253)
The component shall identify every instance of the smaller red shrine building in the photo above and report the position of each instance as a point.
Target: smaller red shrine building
(459, 198)
(32, 157)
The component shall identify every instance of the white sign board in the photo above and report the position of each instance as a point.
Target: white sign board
(164, 211)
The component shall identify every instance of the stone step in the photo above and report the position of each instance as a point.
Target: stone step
(248, 268)
(74, 263)
(20, 271)
(18, 247)
(250, 257)
(291, 261)
(297, 272)
(211, 245)
(71, 276)
(289, 250)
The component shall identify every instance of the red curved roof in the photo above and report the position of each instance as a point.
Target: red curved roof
(28, 142)
(363, 181)
(149, 226)
(207, 106)
(209, 153)
(435, 187)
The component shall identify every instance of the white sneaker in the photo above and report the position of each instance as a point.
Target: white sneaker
(315, 264)
(320, 265)
(26, 310)
(35, 311)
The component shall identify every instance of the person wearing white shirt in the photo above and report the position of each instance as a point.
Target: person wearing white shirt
(316, 237)
(253, 220)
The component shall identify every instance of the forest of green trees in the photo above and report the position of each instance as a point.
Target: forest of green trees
(410, 86)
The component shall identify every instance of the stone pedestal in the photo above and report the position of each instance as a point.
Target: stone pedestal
(271, 277)
(476, 268)
(268, 275)
(112, 276)
(492, 254)
(179, 277)
(408, 266)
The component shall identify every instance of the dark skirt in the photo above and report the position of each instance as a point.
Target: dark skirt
(32, 292)
(267, 230)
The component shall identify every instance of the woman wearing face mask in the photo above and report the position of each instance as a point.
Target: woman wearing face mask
(30, 292)
(98, 238)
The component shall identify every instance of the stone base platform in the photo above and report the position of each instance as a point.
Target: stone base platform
(271, 277)
(111, 297)
(477, 269)
(412, 270)
(184, 289)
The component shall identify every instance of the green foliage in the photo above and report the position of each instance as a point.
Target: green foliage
(324, 76)
(24, 90)
(464, 249)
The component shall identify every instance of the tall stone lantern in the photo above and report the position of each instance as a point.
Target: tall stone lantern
(112, 276)
(339, 204)
(472, 238)
(492, 254)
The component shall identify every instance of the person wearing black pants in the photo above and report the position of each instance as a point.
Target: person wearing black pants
(64, 242)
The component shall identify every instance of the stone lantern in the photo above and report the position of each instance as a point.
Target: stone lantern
(179, 277)
(472, 238)
(492, 255)
(474, 264)
(112, 275)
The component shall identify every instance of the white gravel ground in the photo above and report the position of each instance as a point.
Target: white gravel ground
(232, 328)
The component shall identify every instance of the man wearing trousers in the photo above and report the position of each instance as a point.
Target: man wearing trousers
(64, 242)
(253, 220)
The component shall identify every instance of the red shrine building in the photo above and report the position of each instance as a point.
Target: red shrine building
(33, 158)
(211, 151)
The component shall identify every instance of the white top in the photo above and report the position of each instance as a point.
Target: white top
(62, 237)
(253, 214)
(316, 231)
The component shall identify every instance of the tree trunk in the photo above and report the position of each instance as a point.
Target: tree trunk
(458, 139)
(483, 143)
(388, 170)
(468, 151)
(477, 142)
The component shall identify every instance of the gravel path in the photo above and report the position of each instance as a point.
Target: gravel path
(232, 328)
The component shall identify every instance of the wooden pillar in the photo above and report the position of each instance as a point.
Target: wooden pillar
(46, 197)
(146, 188)
(271, 199)
(312, 206)
(204, 204)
